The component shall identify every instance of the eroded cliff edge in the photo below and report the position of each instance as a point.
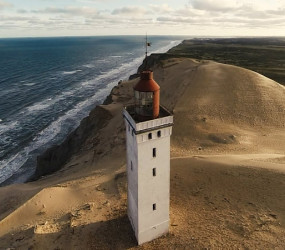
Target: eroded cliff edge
(54, 158)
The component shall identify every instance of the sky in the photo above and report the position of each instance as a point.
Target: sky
(37, 18)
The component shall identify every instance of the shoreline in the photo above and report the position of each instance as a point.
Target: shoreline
(45, 163)
(51, 150)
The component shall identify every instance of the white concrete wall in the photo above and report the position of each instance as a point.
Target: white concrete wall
(153, 189)
(144, 189)
(147, 124)
(132, 176)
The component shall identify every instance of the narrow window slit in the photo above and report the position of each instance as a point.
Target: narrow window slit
(154, 152)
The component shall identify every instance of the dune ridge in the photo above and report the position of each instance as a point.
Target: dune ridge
(222, 104)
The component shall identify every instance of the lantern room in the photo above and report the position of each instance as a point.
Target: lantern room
(146, 97)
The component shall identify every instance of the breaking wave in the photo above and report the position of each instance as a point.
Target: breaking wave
(66, 108)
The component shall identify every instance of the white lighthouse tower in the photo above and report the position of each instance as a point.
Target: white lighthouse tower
(148, 131)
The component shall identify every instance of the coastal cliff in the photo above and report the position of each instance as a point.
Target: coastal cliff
(55, 157)
(87, 135)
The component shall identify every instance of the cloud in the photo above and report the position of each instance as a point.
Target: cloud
(163, 8)
(279, 11)
(91, 1)
(131, 11)
(194, 16)
(77, 11)
(188, 11)
(4, 5)
(214, 5)
(22, 11)
(175, 20)
(68, 19)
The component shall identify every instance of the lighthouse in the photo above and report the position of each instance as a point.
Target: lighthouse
(148, 131)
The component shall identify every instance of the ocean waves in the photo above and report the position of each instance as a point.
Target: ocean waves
(54, 106)
(71, 72)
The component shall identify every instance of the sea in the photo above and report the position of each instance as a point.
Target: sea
(48, 85)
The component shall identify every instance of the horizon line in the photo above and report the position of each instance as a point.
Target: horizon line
(190, 36)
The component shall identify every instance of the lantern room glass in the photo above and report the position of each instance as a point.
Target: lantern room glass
(144, 103)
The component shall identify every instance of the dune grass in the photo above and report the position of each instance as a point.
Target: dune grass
(263, 55)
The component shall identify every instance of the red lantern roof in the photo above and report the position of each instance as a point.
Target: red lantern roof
(146, 83)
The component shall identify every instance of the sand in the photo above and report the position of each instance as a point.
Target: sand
(227, 171)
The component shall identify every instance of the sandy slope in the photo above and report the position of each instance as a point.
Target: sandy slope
(216, 103)
(227, 171)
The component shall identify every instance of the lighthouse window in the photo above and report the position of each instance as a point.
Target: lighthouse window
(143, 103)
(159, 133)
(154, 172)
(154, 206)
(131, 165)
(150, 136)
(129, 127)
(154, 152)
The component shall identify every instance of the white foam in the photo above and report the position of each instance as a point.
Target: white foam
(125, 69)
(13, 164)
(68, 92)
(1, 120)
(7, 126)
(86, 83)
(37, 107)
(71, 72)
(89, 65)
(30, 84)
(46, 103)
(49, 134)
(102, 60)
(8, 91)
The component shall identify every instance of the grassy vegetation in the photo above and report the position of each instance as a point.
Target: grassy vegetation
(263, 55)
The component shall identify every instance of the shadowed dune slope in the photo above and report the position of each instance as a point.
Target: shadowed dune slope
(223, 92)
(218, 103)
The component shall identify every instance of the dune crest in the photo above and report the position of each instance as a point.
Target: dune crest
(221, 104)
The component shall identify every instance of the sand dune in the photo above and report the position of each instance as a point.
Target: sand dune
(227, 170)
(221, 104)
(225, 93)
